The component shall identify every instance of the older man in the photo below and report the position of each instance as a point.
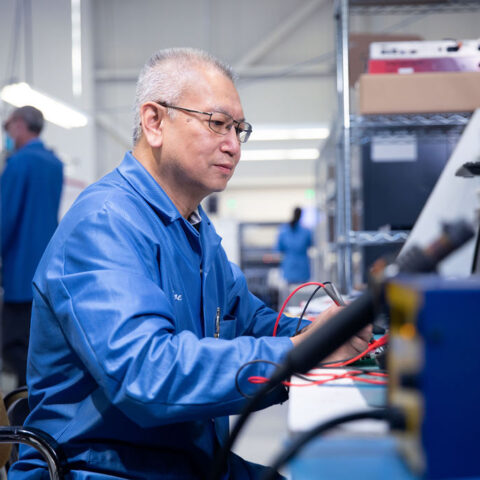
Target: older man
(140, 322)
(30, 191)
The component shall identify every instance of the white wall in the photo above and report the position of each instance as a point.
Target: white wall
(286, 64)
(50, 71)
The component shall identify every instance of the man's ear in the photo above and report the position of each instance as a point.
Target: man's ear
(151, 118)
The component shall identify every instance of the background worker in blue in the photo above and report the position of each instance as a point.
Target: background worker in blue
(140, 322)
(30, 191)
(293, 241)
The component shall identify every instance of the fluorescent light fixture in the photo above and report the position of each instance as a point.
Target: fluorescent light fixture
(280, 154)
(76, 47)
(21, 94)
(283, 133)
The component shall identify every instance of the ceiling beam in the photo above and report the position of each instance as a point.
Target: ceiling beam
(247, 71)
(278, 34)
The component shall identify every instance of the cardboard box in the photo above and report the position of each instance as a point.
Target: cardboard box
(388, 3)
(419, 93)
(359, 46)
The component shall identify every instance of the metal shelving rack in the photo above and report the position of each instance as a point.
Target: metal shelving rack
(355, 129)
(364, 126)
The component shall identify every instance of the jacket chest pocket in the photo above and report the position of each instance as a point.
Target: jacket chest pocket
(228, 327)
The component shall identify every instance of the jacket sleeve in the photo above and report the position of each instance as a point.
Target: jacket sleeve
(104, 290)
(11, 194)
(258, 319)
(280, 245)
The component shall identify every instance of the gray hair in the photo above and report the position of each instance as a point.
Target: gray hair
(165, 76)
(31, 116)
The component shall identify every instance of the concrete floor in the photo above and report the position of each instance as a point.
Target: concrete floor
(264, 435)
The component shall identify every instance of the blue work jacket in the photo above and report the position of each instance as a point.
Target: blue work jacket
(30, 190)
(294, 243)
(124, 368)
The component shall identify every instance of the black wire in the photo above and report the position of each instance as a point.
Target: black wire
(326, 364)
(315, 348)
(221, 458)
(355, 371)
(251, 362)
(305, 437)
(305, 309)
(331, 294)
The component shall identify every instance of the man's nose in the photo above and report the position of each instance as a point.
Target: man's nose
(231, 143)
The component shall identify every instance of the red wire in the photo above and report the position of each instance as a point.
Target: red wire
(350, 372)
(330, 377)
(373, 346)
(353, 374)
(288, 299)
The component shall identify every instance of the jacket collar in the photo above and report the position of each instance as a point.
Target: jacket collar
(141, 181)
(34, 142)
(138, 177)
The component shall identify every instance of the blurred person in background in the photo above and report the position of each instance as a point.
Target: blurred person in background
(293, 242)
(31, 186)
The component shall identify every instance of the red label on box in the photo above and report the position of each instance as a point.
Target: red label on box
(416, 65)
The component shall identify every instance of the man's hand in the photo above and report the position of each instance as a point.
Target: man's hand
(357, 344)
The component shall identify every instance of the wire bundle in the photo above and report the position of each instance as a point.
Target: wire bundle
(330, 290)
(359, 374)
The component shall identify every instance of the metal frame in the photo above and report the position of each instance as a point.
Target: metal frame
(343, 153)
(354, 128)
(371, 7)
(38, 440)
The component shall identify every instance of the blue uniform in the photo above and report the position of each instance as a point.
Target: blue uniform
(31, 186)
(124, 368)
(294, 243)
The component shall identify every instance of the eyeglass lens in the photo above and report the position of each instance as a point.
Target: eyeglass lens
(222, 123)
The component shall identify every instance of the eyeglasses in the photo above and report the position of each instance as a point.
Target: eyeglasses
(220, 122)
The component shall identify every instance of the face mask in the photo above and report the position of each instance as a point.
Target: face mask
(8, 143)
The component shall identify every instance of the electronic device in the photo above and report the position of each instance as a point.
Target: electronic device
(424, 56)
(433, 371)
(433, 366)
(407, 181)
(350, 320)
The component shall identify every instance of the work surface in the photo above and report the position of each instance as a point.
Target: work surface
(359, 450)
(355, 451)
(310, 405)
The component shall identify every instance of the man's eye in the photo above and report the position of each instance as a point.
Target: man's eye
(218, 123)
